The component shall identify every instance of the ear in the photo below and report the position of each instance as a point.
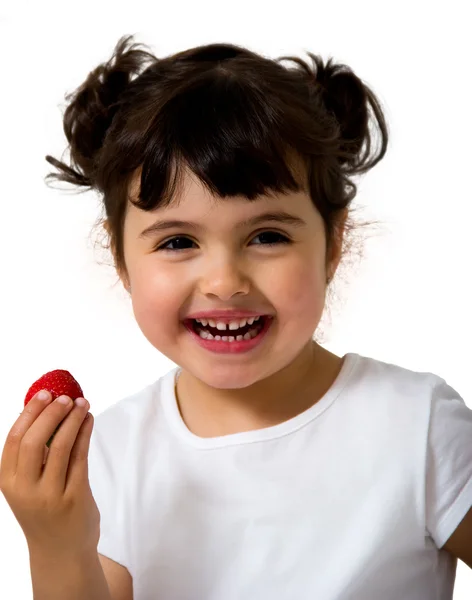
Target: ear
(335, 252)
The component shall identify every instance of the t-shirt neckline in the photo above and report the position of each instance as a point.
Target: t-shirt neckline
(181, 430)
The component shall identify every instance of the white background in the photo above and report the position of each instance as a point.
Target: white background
(408, 301)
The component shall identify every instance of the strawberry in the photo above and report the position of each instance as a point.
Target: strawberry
(58, 383)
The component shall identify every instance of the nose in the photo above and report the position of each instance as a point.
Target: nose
(224, 278)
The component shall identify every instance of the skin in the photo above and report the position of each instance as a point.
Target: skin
(227, 268)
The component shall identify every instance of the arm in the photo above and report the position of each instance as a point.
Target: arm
(56, 578)
(460, 542)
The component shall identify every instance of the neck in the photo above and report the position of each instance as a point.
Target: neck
(210, 412)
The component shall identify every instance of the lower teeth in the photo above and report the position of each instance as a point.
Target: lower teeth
(206, 335)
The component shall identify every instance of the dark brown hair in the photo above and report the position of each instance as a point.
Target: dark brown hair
(231, 116)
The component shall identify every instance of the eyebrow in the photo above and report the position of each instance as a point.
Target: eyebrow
(276, 217)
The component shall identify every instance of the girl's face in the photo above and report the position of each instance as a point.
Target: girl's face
(217, 265)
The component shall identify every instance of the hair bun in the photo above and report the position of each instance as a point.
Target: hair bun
(349, 101)
(92, 107)
(345, 95)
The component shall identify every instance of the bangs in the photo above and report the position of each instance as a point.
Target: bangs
(226, 133)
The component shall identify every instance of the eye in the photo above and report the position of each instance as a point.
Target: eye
(282, 239)
(180, 241)
(173, 241)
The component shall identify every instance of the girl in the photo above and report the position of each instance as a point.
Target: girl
(262, 466)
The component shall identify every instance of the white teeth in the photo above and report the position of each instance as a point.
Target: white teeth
(208, 336)
(232, 326)
(236, 324)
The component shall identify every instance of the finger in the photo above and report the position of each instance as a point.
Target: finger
(31, 455)
(54, 473)
(11, 449)
(78, 464)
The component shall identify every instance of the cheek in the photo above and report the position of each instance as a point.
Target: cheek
(300, 290)
(156, 298)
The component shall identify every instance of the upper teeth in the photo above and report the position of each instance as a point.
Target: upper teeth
(222, 326)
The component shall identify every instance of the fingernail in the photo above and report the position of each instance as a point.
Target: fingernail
(63, 399)
(43, 395)
(80, 402)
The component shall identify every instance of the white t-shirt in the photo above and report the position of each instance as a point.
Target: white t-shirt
(350, 500)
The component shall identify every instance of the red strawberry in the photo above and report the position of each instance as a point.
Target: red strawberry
(58, 383)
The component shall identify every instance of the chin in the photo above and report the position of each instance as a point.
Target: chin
(231, 377)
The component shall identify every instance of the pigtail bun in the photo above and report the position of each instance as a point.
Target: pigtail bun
(348, 100)
(91, 109)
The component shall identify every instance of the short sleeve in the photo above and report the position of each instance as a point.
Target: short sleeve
(449, 463)
(106, 469)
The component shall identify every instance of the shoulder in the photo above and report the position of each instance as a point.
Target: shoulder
(383, 372)
(386, 380)
(401, 395)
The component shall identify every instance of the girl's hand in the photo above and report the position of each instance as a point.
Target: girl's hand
(52, 502)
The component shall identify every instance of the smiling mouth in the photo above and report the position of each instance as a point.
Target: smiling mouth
(242, 333)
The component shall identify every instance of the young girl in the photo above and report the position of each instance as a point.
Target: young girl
(262, 466)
